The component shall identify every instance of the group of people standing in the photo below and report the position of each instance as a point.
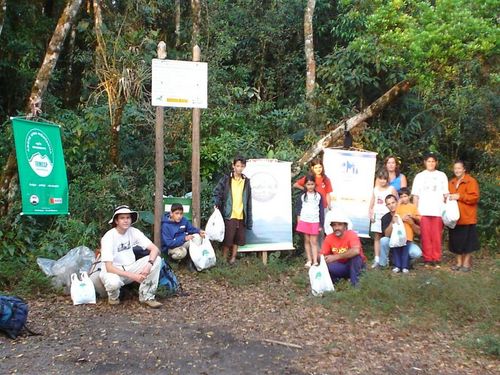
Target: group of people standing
(419, 210)
(341, 247)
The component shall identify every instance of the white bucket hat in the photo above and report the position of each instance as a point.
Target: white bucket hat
(124, 210)
(336, 217)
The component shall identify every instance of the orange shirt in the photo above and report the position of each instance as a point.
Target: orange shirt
(408, 209)
(468, 188)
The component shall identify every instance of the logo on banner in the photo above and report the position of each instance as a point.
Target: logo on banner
(350, 167)
(264, 186)
(39, 152)
(34, 200)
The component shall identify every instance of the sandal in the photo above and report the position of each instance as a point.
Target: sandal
(308, 264)
(456, 268)
(465, 269)
(316, 264)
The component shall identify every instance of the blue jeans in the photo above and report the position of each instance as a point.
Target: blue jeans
(413, 250)
(401, 258)
(348, 270)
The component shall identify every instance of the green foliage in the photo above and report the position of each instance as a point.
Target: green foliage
(256, 108)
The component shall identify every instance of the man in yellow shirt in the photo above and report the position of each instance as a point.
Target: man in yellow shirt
(233, 197)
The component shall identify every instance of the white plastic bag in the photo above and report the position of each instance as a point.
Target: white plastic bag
(215, 228)
(451, 213)
(82, 291)
(398, 235)
(76, 260)
(320, 278)
(202, 255)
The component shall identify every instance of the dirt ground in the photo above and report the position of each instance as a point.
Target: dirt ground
(222, 330)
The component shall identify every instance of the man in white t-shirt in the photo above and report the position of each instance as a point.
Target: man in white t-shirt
(429, 190)
(118, 259)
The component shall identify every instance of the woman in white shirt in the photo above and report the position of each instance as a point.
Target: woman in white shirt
(429, 190)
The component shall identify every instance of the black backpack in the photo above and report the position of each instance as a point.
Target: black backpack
(13, 316)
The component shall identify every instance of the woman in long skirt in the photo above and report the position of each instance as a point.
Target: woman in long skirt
(463, 238)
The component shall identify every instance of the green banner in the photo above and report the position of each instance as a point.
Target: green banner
(42, 173)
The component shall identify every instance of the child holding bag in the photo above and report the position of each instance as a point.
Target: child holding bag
(310, 219)
(378, 209)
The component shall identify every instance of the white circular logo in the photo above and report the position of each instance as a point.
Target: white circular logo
(34, 200)
(39, 152)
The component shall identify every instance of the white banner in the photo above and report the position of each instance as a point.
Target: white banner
(352, 174)
(270, 180)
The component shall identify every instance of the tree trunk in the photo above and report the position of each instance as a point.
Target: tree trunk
(177, 23)
(309, 51)
(7, 182)
(196, 9)
(372, 110)
(109, 77)
(3, 10)
(52, 55)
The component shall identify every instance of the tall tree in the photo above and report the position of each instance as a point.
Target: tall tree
(3, 10)
(177, 23)
(309, 51)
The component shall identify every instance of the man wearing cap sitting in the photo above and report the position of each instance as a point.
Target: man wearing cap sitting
(118, 259)
(342, 250)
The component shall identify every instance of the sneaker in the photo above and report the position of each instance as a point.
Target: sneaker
(375, 265)
(396, 270)
(112, 301)
(152, 303)
(405, 270)
(307, 265)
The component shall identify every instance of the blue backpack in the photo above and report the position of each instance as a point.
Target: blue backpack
(13, 315)
(167, 277)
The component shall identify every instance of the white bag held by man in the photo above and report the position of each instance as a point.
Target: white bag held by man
(202, 253)
(451, 213)
(320, 278)
(82, 291)
(398, 235)
(215, 228)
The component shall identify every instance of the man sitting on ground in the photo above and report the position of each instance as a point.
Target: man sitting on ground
(342, 250)
(119, 266)
(176, 232)
(411, 222)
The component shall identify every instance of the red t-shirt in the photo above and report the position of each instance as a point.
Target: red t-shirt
(323, 186)
(339, 245)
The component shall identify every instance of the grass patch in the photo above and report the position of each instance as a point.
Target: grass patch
(428, 295)
(249, 270)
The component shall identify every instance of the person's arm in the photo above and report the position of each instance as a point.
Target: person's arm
(321, 213)
(298, 206)
(386, 222)
(471, 195)
(328, 191)
(299, 184)
(404, 181)
(218, 193)
(350, 253)
(170, 238)
(137, 277)
(370, 210)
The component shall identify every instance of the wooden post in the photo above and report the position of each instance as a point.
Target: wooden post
(159, 159)
(195, 158)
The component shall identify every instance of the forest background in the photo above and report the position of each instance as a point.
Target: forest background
(260, 105)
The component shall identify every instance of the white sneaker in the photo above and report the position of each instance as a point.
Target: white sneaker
(396, 270)
(405, 270)
(375, 265)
